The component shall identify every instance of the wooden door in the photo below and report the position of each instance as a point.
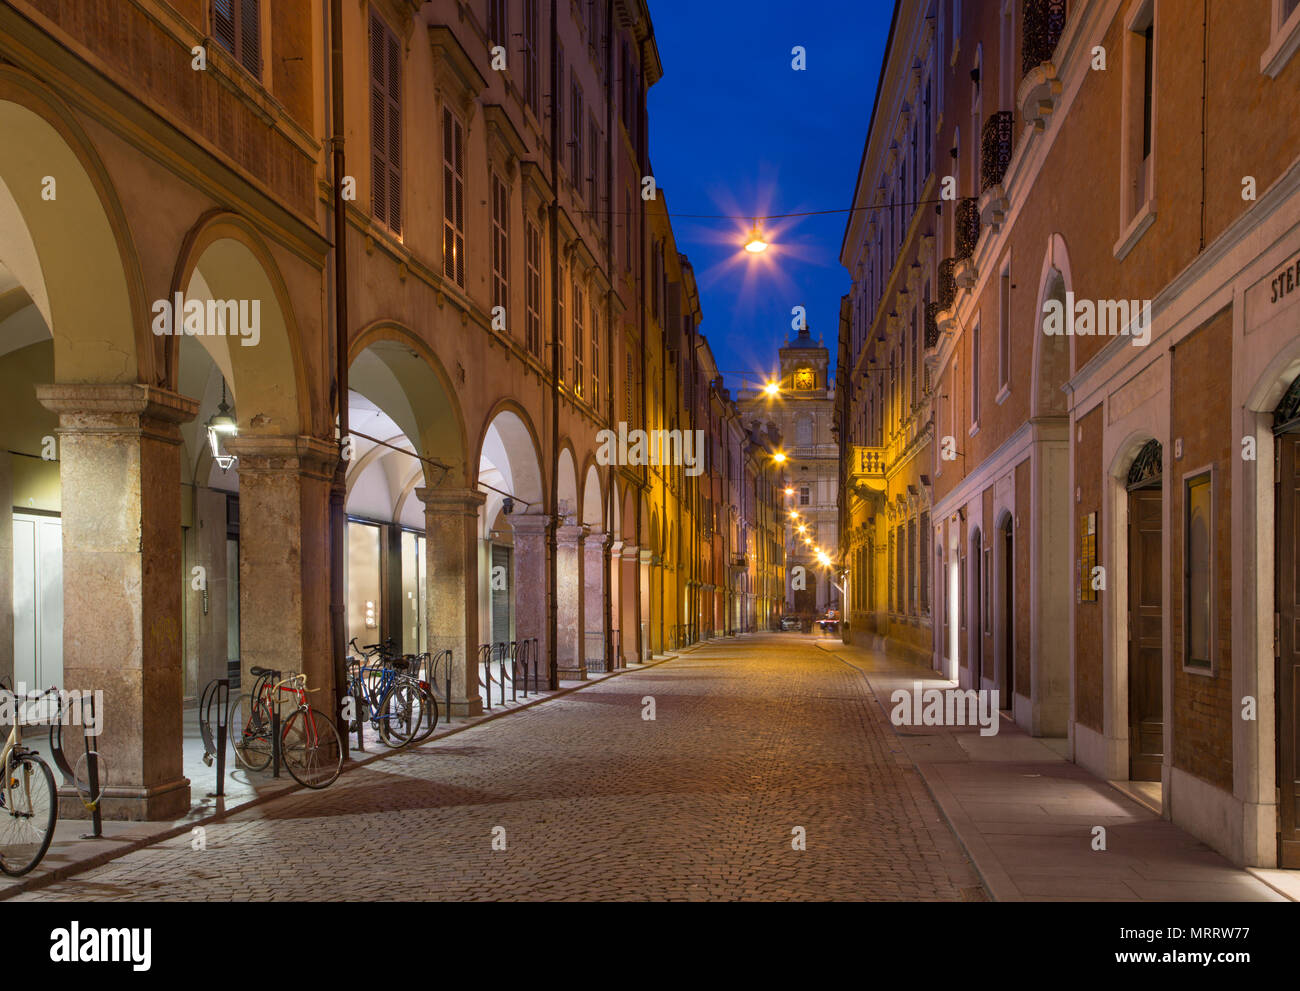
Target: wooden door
(1288, 649)
(1146, 731)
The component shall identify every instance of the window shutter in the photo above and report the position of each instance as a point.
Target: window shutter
(223, 23)
(250, 37)
(394, 105)
(378, 121)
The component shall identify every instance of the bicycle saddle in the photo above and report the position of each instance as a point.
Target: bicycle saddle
(400, 663)
(258, 672)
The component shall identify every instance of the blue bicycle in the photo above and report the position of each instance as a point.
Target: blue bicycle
(398, 706)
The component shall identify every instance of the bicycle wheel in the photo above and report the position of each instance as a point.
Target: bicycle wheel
(249, 727)
(400, 713)
(430, 720)
(28, 810)
(311, 748)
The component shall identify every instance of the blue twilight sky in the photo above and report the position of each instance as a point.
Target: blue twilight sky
(734, 129)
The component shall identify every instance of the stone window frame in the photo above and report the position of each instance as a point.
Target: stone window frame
(1284, 37)
(1138, 213)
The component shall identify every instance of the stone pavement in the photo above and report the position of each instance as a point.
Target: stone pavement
(1026, 815)
(756, 741)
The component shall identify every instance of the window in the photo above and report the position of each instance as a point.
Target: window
(596, 331)
(805, 495)
(892, 577)
(911, 558)
(532, 94)
(1198, 571)
(923, 561)
(498, 24)
(975, 378)
(560, 330)
(385, 125)
(500, 241)
(593, 166)
(236, 25)
(1004, 328)
(900, 597)
(1285, 37)
(533, 287)
(579, 337)
(578, 119)
(1138, 135)
(453, 198)
(557, 97)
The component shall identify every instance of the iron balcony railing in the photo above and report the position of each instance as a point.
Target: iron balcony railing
(995, 149)
(947, 288)
(1044, 20)
(968, 226)
(932, 325)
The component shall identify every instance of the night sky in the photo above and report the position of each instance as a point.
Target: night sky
(736, 130)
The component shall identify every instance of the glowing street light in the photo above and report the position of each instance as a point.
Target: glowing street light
(772, 389)
(789, 491)
(779, 457)
(802, 528)
(756, 245)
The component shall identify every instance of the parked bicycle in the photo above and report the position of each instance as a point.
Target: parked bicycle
(397, 703)
(29, 806)
(309, 744)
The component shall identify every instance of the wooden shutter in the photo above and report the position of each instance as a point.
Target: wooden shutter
(223, 23)
(250, 36)
(385, 125)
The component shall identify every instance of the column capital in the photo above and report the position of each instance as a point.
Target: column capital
(447, 502)
(530, 524)
(285, 454)
(572, 533)
(112, 408)
(630, 552)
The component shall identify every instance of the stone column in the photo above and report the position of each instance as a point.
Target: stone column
(571, 627)
(530, 585)
(119, 471)
(451, 556)
(648, 617)
(594, 579)
(629, 583)
(284, 560)
(615, 579)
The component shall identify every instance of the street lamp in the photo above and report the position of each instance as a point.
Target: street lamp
(779, 457)
(222, 424)
(772, 389)
(756, 245)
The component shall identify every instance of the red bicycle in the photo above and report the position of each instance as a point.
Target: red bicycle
(309, 742)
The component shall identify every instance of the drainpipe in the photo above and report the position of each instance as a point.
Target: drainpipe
(552, 549)
(642, 162)
(607, 558)
(338, 489)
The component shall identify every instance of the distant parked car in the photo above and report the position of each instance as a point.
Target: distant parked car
(789, 622)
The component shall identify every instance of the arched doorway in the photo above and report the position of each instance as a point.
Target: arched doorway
(1146, 614)
(1286, 429)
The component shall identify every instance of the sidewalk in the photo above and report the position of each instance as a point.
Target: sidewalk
(70, 854)
(1026, 814)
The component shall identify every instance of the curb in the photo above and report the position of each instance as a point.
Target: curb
(292, 787)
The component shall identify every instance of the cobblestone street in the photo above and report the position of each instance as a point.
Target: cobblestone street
(751, 739)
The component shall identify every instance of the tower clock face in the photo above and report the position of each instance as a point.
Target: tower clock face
(803, 379)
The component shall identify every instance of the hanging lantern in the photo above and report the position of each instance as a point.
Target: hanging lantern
(222, 424)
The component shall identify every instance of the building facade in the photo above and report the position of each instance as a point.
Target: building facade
(1078, 204)
(315, 320)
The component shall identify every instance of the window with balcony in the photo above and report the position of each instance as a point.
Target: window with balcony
(453, 197)
(237, 27)
(385, 125)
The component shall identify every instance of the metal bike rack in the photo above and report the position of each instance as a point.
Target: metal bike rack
(217, 693)
(92, 762)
